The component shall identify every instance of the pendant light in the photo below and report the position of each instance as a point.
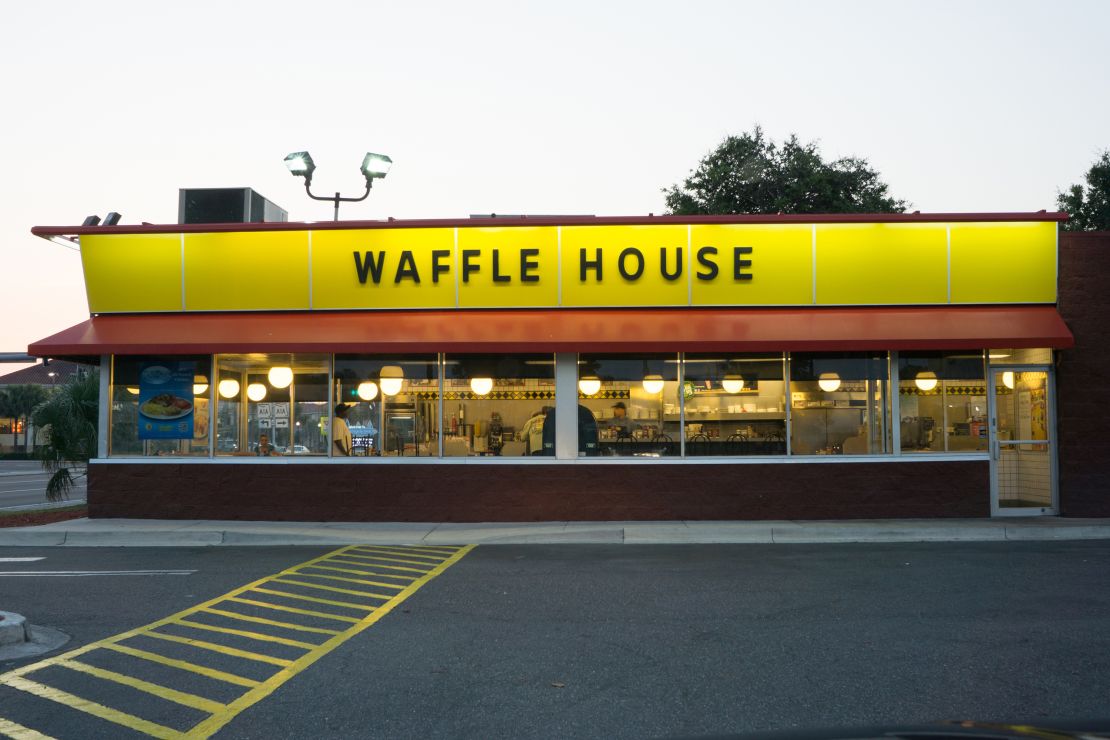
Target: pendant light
(134, 390)
(828, 382)
(926, 381)
(481, 386)
(1008, 379)
(589, 385)
(229, 388)
(256, 391)
(280, 376)
(200, 385)
(368, 390)
(732, 384)
(392, 379)
(653, 384)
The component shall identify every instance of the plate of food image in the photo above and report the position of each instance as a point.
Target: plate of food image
(166, 406)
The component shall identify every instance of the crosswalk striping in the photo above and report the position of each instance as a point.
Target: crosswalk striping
(186, 628)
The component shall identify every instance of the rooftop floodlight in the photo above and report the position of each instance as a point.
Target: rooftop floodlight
(92, 220)
(111, 219)
(375, 165)
(301, 165)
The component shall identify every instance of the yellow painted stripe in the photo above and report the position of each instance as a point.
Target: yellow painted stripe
(352, 571)
(347, 604)
(64, 698)
(293, 609)
(235, 652)
(246, 633)
(211, 725)
(409, 556)
(184, 665)
(445, 550)
(334, 589)
(346, 579)
(272, 622)
(162, 692)
(17, 731)
(375, 564)
(371, 573)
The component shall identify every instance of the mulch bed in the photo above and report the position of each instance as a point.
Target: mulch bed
(42, 516)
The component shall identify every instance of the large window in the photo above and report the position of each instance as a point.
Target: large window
(160, 406)
(839, 404)
(497, 405)
(272, 404)
(392, 403)
(634, 404)
(943, 402)
(734, 404)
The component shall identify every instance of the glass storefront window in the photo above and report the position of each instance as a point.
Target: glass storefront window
(943, 402)
(498, 405)
(392, 403)
(633, 403)
(272, 404)
(839, 404)
(160, 406)
(735, 405)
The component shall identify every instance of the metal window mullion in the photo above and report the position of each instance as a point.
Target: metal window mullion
(104, 415)
(895, 405)
(441, 369)
(681, 405)
(944, 407)
(331, 404)
(212, 395)
(786, 399)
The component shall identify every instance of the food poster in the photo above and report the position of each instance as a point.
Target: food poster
(166, 399)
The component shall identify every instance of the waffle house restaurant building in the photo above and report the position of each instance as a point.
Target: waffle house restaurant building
(591, 368)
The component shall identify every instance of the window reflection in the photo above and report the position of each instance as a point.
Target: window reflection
(838, 404)
(633, 404)
(392, 403)
(735, 405)
(943, 402)
(162, 411)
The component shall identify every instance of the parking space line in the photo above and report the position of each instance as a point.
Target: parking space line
(271, 622)
(183, 665)
(234, 652)
(371, 573)
(91, 707)
(162, 692)
(348, 570)
(375, 564)
(407, 557)
(220, 713)
(293, 609)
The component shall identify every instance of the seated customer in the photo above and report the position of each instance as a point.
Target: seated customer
(265, 449)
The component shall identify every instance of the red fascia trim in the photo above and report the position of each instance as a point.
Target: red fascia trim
(567, 330)
(803, 218)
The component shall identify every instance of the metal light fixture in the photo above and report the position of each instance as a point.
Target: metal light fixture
(481, 386)
(732, 384)
(280, 376)
(368, 390)
(653, 384)
(374, 166)
(828, 382)
(228, 388)
(926, 380)
(392, 379)
(1008, 379)
(589, 385)
(256, 391)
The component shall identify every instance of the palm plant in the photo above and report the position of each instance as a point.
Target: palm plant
(19, 402)
(69, 423)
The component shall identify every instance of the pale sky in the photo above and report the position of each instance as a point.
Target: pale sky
(517, 107)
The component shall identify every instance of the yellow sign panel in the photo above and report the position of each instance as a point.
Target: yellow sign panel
(574, 266)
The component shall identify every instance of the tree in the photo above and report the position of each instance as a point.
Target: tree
(751, 174)
(19, 402)
(69, 423)
(1090, 207)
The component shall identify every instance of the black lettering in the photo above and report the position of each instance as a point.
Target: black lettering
(710, 267)
(631, 251)
(406, 268)
(369, 266)
(468, 268)
(526, 265)
(677, 264)
(497, 276)
(437, 268)
(585, 264)
(739, 264)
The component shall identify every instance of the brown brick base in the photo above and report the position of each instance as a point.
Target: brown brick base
(519, 493)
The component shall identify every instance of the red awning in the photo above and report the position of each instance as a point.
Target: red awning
(567, 330)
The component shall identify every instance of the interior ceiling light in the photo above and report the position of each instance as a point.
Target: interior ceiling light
(392, 379)
(653, 384)
(1008, 379)
(199, 389)
(228, 388)
(926, 381)
(481, 386)
(589, 386)
(828, 382)
(368, 390)
(134, 391)
(256, 391)
(732, 384)
(280, 376)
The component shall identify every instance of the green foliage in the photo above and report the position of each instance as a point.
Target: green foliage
(1089, 207)
(751, 174)
(69, 420)
(19, 402)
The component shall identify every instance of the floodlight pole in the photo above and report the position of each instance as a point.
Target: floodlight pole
(337, 198)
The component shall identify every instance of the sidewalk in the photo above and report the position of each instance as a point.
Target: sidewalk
(188, 533)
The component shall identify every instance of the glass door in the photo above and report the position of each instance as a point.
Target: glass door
(1023, 449)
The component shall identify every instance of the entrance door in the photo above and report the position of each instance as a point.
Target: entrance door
(1023, 448)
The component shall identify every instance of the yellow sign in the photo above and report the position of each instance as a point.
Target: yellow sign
(573, 266)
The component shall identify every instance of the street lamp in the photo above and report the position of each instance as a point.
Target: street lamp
(374, 166)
